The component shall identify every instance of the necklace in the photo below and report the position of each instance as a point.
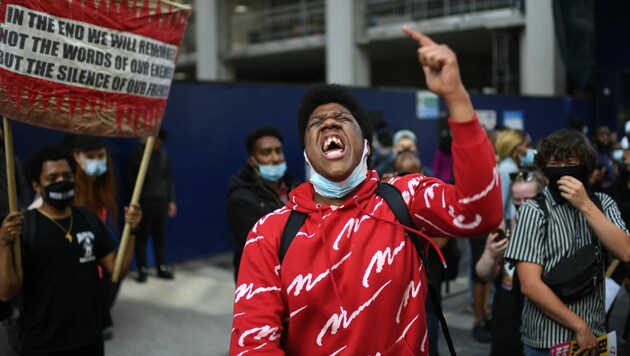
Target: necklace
(68, 235)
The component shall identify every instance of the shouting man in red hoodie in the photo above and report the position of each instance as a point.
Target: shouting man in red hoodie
(351, 282)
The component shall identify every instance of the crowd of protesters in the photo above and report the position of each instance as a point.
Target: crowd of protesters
(530, 206)
(567, 173)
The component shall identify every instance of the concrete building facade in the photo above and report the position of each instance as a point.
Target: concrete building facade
(504, 46)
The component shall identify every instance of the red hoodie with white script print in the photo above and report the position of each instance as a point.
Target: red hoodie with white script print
(351, 282)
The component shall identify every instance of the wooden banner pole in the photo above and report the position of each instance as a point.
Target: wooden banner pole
(135, 198)
(8, 151)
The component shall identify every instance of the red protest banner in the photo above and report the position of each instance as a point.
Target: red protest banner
(99, 67)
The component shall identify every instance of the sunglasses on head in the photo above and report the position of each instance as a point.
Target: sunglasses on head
(523, 175)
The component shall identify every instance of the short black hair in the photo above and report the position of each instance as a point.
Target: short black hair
(267, 130)
(563, 145)
(320, 94)
(47, 153)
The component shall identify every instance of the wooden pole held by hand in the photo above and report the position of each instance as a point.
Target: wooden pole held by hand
(8, 151)
(135, 198)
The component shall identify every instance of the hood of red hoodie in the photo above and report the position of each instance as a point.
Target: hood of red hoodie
(302, 197)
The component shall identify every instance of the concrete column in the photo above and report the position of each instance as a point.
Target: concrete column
(542, 71)
(208, 22)
(346, 63)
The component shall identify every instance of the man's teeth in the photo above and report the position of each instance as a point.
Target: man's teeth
(331, 140)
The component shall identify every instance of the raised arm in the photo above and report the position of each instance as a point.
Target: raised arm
(487, 267)
(473, 206)
(614, 238)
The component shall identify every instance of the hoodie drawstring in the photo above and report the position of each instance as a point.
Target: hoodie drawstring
(417, 232)
(330, 265)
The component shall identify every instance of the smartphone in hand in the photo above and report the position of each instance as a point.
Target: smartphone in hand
(502, 234)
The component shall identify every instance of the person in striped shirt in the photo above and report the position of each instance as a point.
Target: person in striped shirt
(567, 159)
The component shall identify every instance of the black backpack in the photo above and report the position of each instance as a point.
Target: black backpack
(10, 311)
(393, 198)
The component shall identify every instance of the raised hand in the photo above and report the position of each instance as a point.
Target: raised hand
(11, 228)
(496, 248)
(133, 215)
(573, 191)
(439, 64)
(441, 70)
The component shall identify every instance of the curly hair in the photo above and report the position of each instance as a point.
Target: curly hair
(320, 94)
(262, 131)
(564, 145)
(47, 153)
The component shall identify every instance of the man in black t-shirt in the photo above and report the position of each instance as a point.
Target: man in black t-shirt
(62, 312)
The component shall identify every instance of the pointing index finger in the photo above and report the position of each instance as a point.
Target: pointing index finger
(422, 40)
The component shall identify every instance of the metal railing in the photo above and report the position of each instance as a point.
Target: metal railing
(304, 18)
(307, 17)
(388, 11)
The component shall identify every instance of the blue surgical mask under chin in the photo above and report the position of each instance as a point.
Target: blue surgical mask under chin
(330, 189)
(272, 172)
(528, 159)
(95, 167)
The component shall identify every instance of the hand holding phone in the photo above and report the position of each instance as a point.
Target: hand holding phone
(501, 234)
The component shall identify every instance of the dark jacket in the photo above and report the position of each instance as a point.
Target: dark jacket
(249, 198)
(158, 183)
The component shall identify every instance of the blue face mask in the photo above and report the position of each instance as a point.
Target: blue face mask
(330, 189)
(271, 172)
(528, 159)
(95, 167)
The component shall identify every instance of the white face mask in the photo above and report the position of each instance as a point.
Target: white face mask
(330, 189)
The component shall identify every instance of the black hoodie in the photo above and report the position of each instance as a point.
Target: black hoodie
(249, 198)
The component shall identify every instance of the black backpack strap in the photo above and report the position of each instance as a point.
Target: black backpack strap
(437, 308)
(542, 204)
(291, 228)
(393, 198)
(595, 198)
(598, 203)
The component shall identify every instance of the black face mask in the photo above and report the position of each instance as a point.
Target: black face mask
(555, 173)
(60, 194)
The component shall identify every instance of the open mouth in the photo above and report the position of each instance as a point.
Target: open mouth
(333, 147)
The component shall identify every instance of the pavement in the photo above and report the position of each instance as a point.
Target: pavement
(192, 315)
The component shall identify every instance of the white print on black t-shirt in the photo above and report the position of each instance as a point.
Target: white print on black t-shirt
(86, 240)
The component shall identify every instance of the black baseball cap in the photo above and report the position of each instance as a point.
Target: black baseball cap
(84, 143)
